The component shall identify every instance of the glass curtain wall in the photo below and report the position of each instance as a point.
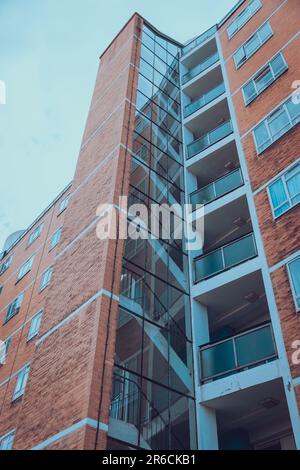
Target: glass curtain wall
(153, 381)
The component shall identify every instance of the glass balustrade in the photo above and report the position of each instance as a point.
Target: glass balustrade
(204, 100)
(199, 40)
(224, 258)
(205, 64)
(209, 139)
(217, 189)
(237, 353)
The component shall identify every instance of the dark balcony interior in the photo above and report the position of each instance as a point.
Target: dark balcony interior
(215, 165)
(204, 85)
(256, 418)
(210, 120)
(200, 56)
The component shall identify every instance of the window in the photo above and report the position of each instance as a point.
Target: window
(264, 78)
(21, 382)
(46, 278)
(25, 268)
(276, 125)
(284, 193)
(35, 234)
(294, 274)
(5, 265)
(14, 307)
(4, 350)
(64, 204)
(35, 325)
(6, 442)
(252, 45)
(243, 18)
(55, 238)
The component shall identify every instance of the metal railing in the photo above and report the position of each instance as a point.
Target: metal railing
(217, 188)
(204, 100)
(209, 139)
(130, 404)
(199, 40)
(242, 351)
(205, 64)
(226, 257)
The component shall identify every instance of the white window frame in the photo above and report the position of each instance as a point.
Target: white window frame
(288, 197)
(54, 237)
(35, 234)
(261, 42)
(64, 204)
(5, 265)
(266, 120)
(18, 302)
(295, 296)
(252, 9)
(25, 268)
(9, 437)
(268, 65)
(21, 382)
(43, 286)
(35, 325)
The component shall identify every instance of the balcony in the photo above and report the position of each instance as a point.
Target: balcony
(232, 355)
(217, 189)
(205, 99)
(199, 40)
(204, 65)
(209, 139)
(226, 257)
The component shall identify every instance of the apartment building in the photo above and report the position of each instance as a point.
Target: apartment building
(141, 343)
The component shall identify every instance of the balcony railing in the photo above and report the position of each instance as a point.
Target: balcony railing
(211, 60)
(235, 354)
(217, 189)
(209, 139)
(199, 40)
(204, 100)
(226, 257)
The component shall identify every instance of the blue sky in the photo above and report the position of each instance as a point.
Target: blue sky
(49, 53)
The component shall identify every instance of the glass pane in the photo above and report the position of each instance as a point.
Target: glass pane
(239, 251)
(281, 209)
(265, 32)
(249, 91)
(252, 45)
(295, 275)
(209, 265)
(228, 183)
(255, 346)
(279, 123)
(264, 79)
(262, 137)
(294, 110)
(217, 359)
(277, 193)
(293, 185)
(278, 65)
(204, 196)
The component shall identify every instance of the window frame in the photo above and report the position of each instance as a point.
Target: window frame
(20, 388)
(266, 121)
(259, 72)
(35, 234)
(33, 333)
(295, 296)
(59, 230)
(251, 38)
(16, 310)
(64, 204)
(42, 287)
(252, 11)
(28, 262)
(9, 435)
(284, 181)
(5, 265)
